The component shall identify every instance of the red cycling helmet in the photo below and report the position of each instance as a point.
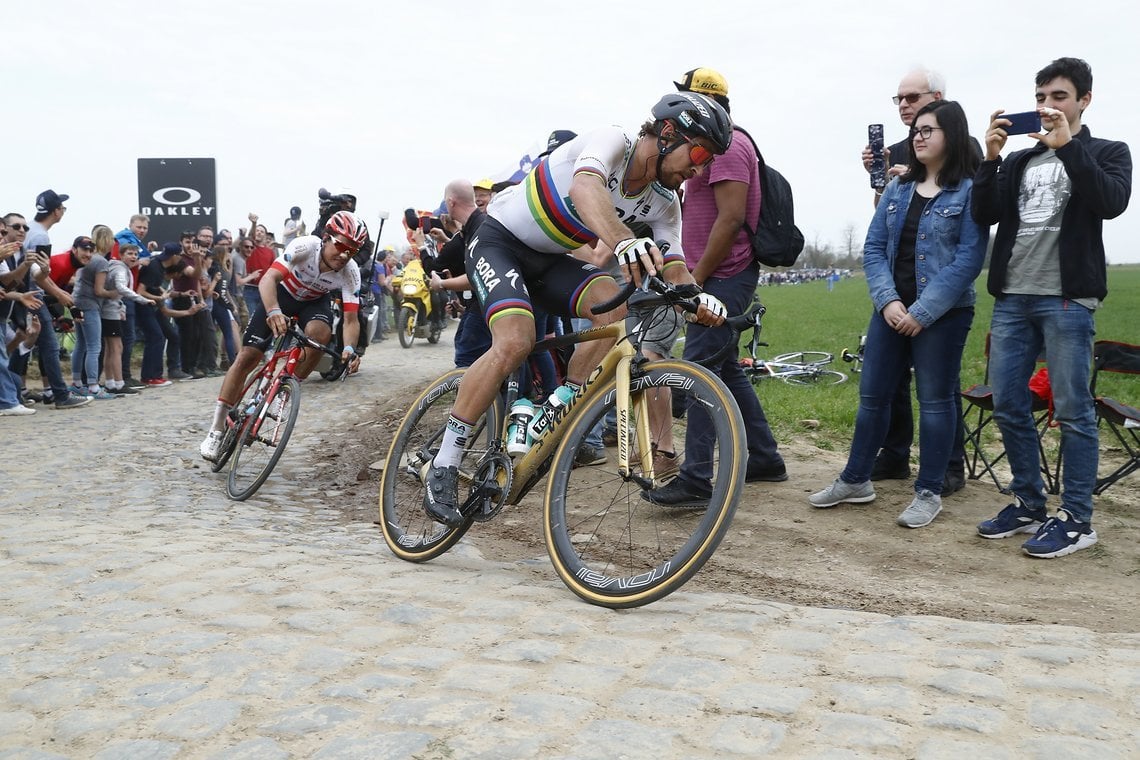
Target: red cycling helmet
(345, 224)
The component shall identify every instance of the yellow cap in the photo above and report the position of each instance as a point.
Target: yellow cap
(705, 81)
(485, 184)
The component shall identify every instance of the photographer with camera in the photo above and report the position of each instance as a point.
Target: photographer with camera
(345, 200)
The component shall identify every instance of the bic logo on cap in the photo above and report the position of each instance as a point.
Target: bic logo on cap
(192, 196)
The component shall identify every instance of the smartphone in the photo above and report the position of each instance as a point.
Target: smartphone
(44, 249)
(878, 161)
(1023, 123)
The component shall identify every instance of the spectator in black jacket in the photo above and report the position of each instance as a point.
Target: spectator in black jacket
(1047, 276)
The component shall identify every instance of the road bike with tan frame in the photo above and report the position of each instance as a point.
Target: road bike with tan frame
(259, 426)
(608, 545)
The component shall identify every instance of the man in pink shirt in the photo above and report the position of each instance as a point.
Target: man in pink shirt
(716, 204)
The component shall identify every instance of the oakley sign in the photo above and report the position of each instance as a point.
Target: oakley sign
(178, 194)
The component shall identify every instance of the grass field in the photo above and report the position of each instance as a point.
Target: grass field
(808, 317)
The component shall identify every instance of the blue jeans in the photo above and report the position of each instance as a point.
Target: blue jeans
(9, 382)
(252, 297)
(47, 347)
(936, 355)
(473, 338)
(154, 342)
(594, 437)
(736, 293)
(88, 346)
(129, 336)
(1023, 325)
(222, 319)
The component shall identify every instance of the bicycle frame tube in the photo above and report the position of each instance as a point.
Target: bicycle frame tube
(616, 363)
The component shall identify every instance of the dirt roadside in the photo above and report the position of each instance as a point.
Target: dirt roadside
(853, 557)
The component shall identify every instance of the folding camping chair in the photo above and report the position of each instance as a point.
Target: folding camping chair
(1120, 418)
(978, 414)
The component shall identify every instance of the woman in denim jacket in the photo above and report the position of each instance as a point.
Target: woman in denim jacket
(922, 254)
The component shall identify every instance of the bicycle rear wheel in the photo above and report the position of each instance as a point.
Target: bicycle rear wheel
(610, 546)
(262, 439)
(408, 531)
(816, 376)
(229, 440)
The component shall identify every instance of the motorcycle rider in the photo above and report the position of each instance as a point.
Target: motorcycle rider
(298, 285)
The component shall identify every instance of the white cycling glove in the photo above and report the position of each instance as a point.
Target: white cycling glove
(712, 303)
(628, 252)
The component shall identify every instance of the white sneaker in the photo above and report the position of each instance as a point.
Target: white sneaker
(922, 510)
(16, 411)
(210, 446)
(840, 492)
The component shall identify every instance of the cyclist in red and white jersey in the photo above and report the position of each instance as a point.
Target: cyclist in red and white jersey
(298, 285)
(584, 193)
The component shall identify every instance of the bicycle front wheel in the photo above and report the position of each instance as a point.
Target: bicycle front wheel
(815, 376)
(408, 531)
(262, 439)
(616, 549)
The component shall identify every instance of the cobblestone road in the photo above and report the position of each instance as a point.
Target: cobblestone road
(143, 615)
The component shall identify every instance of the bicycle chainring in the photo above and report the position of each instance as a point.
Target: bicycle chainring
(491, 486)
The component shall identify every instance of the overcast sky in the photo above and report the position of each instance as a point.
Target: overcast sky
(395, 100)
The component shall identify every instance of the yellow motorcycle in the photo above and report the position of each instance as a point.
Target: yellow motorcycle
(417, 318)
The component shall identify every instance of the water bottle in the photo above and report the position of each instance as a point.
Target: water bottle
(552, 409)
(518, 432)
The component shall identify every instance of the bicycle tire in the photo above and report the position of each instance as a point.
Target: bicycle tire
(615, 549)
(226, 450)
(263, 439)
(816, 377)
(409, 533)
(805, 358)
(406, 324)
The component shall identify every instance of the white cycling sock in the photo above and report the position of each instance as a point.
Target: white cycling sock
(221, 409)
(455, 437)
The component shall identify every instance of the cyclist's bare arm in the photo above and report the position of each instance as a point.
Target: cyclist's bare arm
(277, 321)
(593, 203)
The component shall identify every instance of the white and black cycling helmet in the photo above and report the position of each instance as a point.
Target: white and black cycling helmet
(695, 115)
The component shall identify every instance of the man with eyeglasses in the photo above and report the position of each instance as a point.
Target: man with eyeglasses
(29, 272)
(916, 89)
(298, 285)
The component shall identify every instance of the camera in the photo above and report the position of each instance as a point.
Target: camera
(428, 223)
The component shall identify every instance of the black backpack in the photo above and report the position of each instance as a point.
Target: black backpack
(776, 241)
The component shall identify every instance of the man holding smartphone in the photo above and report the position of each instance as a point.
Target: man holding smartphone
(1048, 276)
(916, 89)
(29, 272)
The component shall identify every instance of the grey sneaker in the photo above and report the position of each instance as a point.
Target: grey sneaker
(73, 401)
(840, 493)
(922, 510)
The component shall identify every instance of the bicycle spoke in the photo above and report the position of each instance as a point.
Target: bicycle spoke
(613, 547)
